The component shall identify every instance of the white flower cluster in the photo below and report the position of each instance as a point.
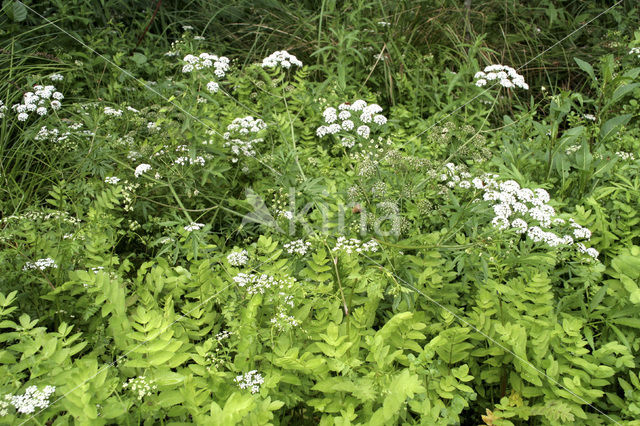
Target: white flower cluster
(51, 134)
(213, 87)
(255, 283)
(515, 207)
(224, 334)
(42, 216)
(237, 136)
(40, 264)
(30, 400)
(206, 60)
(112, 112)
(112, 180)
(140, 386)
(193, 226)
(625, 155)
(56, 77)
(572, 149)
(297, 247)
(353, 245)
(3, 109)
(349, 117)
(284, 322)
(635, 51)
(245, 126)
(251, 380)
(191, 161)
(38, 101)
(589, 117)
(153, 126)
(507, 76)
(141, 169)
(238, 258)
(282, 58)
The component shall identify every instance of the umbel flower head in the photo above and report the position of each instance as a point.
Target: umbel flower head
(206, 60)
(507, 77)
(347, 117)
(39, 101)
(282, 58)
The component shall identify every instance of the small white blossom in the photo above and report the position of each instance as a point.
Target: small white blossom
(282, 58)
(206, 60)
(254, 283)
(140, 386)
(40, 264)
(507, 76)
(31, 400)
(141, 169)
(238, 258)
(112, 112)
(251, 380)
(213, 87)
(298, 247)
(112, 180)
(193, 226)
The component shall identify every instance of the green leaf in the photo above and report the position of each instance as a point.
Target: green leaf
(139, 58)
(586, 67)
(15, 10)
(611, 126)
(621, 91)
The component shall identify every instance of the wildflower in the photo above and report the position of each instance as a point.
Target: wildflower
(223, 335)
(625, 155)
(140, 386)
(368, 113)
(112, 180)
(191, 161)
(354, 245)
(112, 112)
(3, 108)
(284, 322)
(31, 399)
(363, 131)
(635, 51)
(213, 87)
(519, 225)
(255, 283)
(37, 101)
(56, 77)
(282, 58)
(384, 23)
(590, 117)
(193, 226)
(297, 247)
(206, 60)
(40, 264)
(238, 258)
(141, 169)
(251, 380)
(241, 129)
(507, 76)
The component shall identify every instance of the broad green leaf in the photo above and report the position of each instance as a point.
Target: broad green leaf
(586, 67)
(611, 126)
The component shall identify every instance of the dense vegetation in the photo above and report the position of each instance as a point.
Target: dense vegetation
(319, 212)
